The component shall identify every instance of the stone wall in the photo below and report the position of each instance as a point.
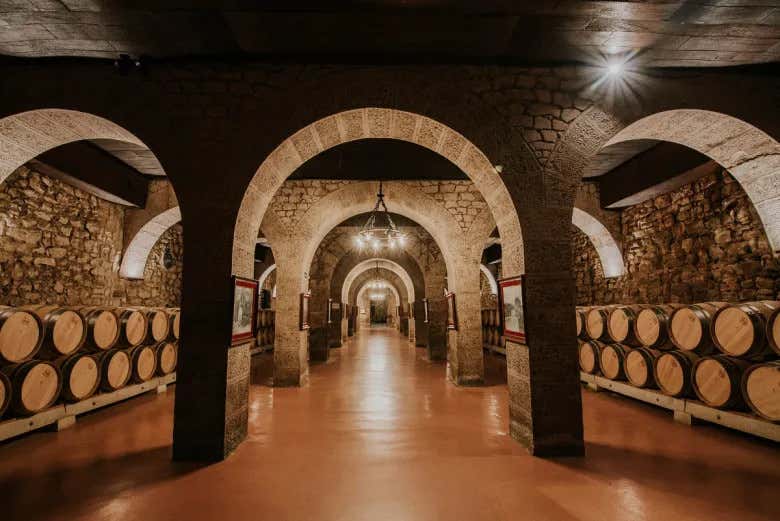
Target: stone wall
(703, 241)
(61, 245)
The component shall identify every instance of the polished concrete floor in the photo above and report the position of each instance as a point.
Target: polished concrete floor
(379, 435)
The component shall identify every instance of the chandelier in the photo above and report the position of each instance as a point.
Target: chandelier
(377, 284)
(380, 230)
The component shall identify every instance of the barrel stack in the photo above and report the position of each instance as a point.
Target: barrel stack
(727, 355)
(491, 328)
(51, 354)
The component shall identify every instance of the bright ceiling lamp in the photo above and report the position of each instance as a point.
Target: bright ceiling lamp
(380, 231)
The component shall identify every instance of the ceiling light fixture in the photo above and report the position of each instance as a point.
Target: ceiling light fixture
(380, 230)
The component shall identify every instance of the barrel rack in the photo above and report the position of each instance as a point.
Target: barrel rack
(63, 416)
(687, 411)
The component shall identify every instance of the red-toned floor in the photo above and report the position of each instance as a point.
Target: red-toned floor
(379, 435)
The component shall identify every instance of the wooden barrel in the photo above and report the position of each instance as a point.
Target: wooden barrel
(596, 323)
(673, 371)
(115, 369)
(133, 327)
(690, 327)
(102, 328)
(158, 325)
(65, 330)
(717, 380)
(761, 389)
(651, 326)
(773, 331)
(5, 393)
(167, 356)
(639, 366)
(80, 376)
(740, 329)
(613, 361)
(35, 386)
(21, 335)
(620, 324)
(143, 362)
(589, 356)
(579, 319)
(174, 317)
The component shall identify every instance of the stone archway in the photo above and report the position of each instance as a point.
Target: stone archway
(748, 153)
(299, 241)
(26, 135)
(374, 123)
(608, 251)
(490, 278)
(377, 263)
(137, 253)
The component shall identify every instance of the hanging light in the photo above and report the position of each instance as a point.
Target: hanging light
(380, 230)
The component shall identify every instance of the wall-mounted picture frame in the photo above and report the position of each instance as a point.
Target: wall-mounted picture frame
(244, 310)
(333, 310)
(452, 312)
(304, 311)
(512, 306)
(425, 310)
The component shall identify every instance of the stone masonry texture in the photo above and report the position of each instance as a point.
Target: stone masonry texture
(702, 241)
(61, 245)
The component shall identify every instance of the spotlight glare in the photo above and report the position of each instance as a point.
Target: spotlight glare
(615, 69)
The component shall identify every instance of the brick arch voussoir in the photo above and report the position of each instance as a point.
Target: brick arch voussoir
(358, 124)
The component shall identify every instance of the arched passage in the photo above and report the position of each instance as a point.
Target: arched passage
(748, 153)
(374, 123)
(491, 279)
(137, 253)
(609, 253)
(377, 264)
(27, 135)
(270, 269)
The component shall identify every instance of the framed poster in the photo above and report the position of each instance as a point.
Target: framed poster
(304, 318)
(244, 310)
(333, 307)
(512, 305)
(452, 312)
(425, 310)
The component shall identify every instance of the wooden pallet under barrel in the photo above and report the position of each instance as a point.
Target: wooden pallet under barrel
(63, 415)
(686, 410)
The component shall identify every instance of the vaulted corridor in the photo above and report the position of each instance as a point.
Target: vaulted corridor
(379, 434)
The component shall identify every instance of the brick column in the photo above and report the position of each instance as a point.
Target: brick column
(212, 387)
(544, 392)
(291, 361)
(465, 361)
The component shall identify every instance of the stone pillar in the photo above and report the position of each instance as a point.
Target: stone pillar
(212, 387)
(437, 328)
(420, 327)
(544, 391)
(291, 365)
(318, 344)
(465, 361)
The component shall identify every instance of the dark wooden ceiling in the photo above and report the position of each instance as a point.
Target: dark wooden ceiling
(664, 33)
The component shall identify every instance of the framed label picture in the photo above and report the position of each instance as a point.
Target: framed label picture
(304, 318)
(512, 305)
(333, 310)
(425, 310)
(244, 310)
(452, 312)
